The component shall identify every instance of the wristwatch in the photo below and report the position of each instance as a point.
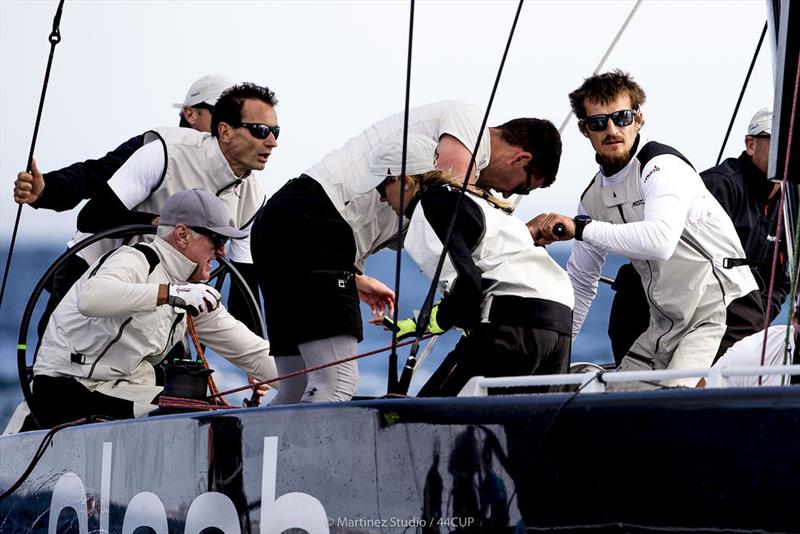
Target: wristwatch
(580, 223)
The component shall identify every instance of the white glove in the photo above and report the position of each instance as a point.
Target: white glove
(194, 298)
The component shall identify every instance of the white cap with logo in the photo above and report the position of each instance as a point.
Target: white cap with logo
(761, 123)
(205, 90)
(388, 160)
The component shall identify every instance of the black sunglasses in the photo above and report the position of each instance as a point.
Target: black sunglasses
(216, 239)
(260, 131)
(598, 123)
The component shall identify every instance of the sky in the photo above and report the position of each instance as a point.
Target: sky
(338, 66)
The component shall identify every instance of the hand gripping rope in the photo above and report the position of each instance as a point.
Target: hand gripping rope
(54, 38)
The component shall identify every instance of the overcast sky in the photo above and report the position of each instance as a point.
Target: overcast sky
(337, 67)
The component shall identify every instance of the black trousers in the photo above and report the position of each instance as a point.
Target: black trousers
(58, 400)
(494, 350)
(303, 252)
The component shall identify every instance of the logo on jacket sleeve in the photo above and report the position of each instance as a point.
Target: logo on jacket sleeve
(649, 174)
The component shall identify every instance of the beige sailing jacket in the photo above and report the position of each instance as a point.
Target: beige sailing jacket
(109, 333)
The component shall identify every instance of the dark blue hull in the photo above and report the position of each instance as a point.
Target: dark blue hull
(654, 461)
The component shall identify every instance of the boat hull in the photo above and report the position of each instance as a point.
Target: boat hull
(647, 461)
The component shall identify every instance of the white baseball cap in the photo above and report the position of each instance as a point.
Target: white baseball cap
(205, 90)
(761, 123)
(388, 160)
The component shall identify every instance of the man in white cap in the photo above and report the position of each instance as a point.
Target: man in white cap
(63, 189)
(752, 201)
(124, 315)
(244, 132)
(197, 107)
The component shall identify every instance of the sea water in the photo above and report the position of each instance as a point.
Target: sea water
(30, 261)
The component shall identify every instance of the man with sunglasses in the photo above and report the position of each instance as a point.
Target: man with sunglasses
(324, 229)
(752, 201)
(123, 316)
(243, 134)
(63, 189)
(647, 203)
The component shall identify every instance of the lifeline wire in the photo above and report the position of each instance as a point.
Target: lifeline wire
(54, 38)
(425, 313)
(392, 384)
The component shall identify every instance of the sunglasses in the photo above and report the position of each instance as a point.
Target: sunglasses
(598, 123)
(217, 240)
(260, 131)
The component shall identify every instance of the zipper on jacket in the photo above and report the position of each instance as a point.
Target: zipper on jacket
(116, 338)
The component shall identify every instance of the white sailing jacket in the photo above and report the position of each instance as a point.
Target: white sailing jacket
(109, 333)
(678, 247)
(491, 255)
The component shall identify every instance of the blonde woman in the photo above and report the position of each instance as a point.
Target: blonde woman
(511, 298)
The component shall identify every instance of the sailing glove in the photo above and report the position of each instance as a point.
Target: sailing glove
(194, 298)
(408, 327)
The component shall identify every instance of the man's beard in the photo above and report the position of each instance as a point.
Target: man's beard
(615, 162)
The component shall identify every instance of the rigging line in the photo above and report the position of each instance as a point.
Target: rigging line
(741, 94)
(391, 386)
(424, 315)
(790, 317)
(605, 57)
(54, 38)
(254, 385)
(599, 66)
(780, 208)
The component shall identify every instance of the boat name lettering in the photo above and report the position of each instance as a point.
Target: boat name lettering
(293, 510)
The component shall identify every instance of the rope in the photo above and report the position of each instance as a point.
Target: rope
(54, 38)
(392, 383)
(212, 385)
(43, 448)
(318, 367)
(605, 56)
(780, 211)
(599, 66)
(424, 315)
(741, 94)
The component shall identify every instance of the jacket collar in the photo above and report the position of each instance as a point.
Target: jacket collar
(179, 268)
(220, 172)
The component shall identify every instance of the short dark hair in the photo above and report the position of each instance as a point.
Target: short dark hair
(229, 105)
(604, 88)
(541, 139)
